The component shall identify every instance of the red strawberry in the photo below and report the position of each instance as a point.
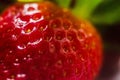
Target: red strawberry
(40, 41)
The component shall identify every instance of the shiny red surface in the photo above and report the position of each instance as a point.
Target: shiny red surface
(40, 41)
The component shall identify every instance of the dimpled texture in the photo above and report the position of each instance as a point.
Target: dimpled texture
(40, 41)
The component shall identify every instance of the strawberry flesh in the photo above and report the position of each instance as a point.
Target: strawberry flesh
(40, 41)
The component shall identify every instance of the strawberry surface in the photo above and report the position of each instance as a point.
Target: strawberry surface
(41, 41)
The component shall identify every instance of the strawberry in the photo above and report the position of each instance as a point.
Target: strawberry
(41, 41)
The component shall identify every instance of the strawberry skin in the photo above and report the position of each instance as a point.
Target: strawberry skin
(40, 41)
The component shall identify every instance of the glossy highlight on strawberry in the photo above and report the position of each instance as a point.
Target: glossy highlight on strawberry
(41, 41)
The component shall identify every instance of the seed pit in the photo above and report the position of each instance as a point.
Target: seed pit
(64, 73)
(41, 28)
(29, 28)
(52, 48)
(74, 48)
(52, 76)
(36, 16)
(81, 34)
(47, 38)
(93, 44)
(71, 35)
(81, 57)
(66, 47)
(42, 25)
(28, 31)
(59, 64)
(76, 70)
(24, 18)
(48, 35)
(69, 61)
(55, 23)
(60, 35)
(75, 45)
(67, 24)
(12, 76)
